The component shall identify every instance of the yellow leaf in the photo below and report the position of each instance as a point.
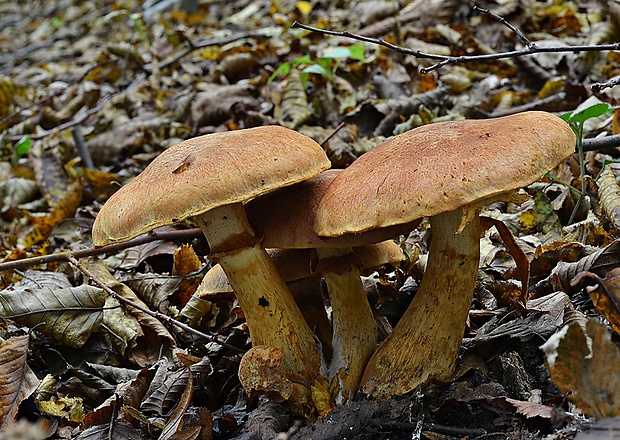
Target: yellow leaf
(70, 408)
(321, 396)
(304, 7)
(528, 220)
(552, 87)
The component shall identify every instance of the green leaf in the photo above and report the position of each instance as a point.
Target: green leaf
(358, 52)
(22, 147)
(337, 52)
(316, 68)
(283, 69)
(591, 112)
(302, 60)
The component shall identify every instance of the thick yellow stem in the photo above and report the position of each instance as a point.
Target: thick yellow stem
(425, 343)
(271, 313)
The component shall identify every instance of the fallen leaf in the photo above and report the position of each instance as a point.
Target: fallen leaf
(586, 365)
(18, 381)
(529, 409)
(605, 295)
(69, 315)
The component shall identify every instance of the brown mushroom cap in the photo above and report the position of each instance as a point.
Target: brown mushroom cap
(439, 167)
(285, 218)
(205, 172)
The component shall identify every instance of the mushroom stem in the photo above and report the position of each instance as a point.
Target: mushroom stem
(354, 330)
(271, 313)
(433, 325)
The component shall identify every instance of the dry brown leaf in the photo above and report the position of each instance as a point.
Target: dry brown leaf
(124, 138)
(69, 314)
(586, 365)
(523, 264)
(609, 195)
(185, 262)
(217, 103)
(136, 255)
(151, 345)
(529, 409)
(294, 105)
(174, 425)
(18, 380)
(62, 209)
(605, 295)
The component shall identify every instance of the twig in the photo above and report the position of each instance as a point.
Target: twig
(24, 263)
(600, 86)
(81, 148)
(332, 134)
(444, 60)
(157, 315)
(378, 41)
(601, 143)
(503, 21)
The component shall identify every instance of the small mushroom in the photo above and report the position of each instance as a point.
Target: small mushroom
(285, 219)
(208, 178)
(446, 171)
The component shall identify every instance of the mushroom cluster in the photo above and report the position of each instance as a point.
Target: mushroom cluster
(267, 187)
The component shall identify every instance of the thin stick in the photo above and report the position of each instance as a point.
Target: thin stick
(503, 21)
(25, 263)
(332, 134)
(157, 315)
(600, 86)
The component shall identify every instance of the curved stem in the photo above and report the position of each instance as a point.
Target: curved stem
(425, 343)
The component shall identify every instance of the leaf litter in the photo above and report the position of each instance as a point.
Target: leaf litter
(136, 78)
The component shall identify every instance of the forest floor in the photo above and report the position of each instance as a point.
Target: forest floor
(92, 91)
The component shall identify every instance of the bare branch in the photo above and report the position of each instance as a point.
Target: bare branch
(503, 21)
(25, 263)
(601, 143)
(443, 60)
(600, 86)
(377, 41)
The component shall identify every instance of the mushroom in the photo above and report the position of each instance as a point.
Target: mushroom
(208, 178)
(285, 219)
(447, 171)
